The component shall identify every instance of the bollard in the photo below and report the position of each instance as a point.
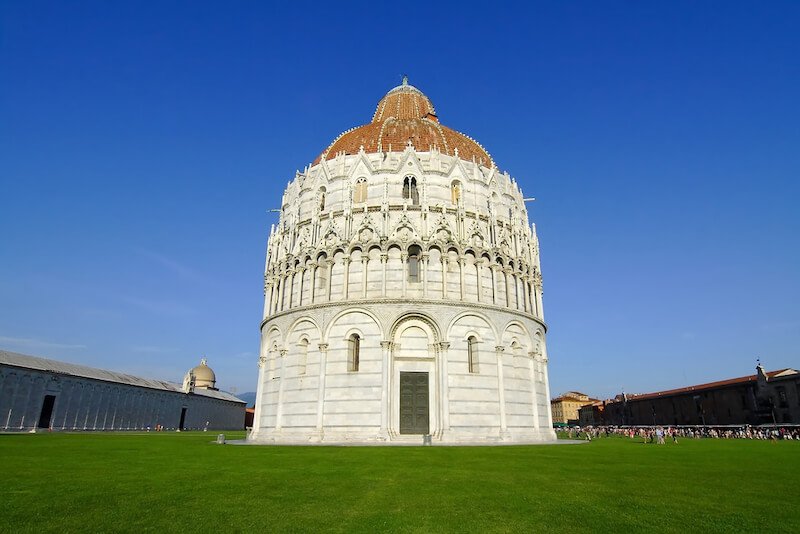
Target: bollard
(221, 439)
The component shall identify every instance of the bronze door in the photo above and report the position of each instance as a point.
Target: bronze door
(414, 402)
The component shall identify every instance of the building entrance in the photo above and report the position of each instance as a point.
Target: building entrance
(47, 411)
(414, 403)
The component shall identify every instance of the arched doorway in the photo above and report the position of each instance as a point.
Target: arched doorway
(415, 388)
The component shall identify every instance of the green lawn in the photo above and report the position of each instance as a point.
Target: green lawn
(180, 482)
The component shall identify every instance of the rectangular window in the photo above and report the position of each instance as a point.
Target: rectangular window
(360, 193)
(413, 269)
(782, 397)
(472, 355)
(353, 349)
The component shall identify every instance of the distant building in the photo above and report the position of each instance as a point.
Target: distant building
(565, 408)
(249, 415)
(48, 394)
(592, 414)
(763, 398)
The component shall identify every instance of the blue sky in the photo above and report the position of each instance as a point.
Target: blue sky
(142, 143)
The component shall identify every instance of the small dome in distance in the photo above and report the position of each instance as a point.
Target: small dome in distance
(204, 376)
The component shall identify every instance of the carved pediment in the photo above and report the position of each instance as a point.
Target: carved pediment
(476, 237)
(303, 242)
(442, 232)
(404, 231)
(367, 231)
(332, 235)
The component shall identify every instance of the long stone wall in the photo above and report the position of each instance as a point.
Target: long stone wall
(87, 404)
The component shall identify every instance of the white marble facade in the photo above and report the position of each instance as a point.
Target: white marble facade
(429, 260)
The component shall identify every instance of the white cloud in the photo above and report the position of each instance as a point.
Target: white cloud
(170, 264)
(160, 307)
(31, 343)
(151, 349)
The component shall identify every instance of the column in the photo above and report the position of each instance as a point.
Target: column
(445, 386)
(346, 284)
(493, 271)
(281, 288)
(384, 258)
(273, 290)
(425, 275)
(479, 273)
(364, 262)
(302, 272)
(323, 360)
(279, 409)
(313, 281)
(262, 362)
(515, 281)
(461, 262)
(528, 303)
(292, 274)
(330, 277)
(386, 347)
(404, 260)
(534, 399)
(537, 284)
(445, 264)
(268, 298)
(546, 386)
(501, 392)
(506, 272)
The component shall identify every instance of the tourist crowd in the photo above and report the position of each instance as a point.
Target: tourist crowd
(661, 434)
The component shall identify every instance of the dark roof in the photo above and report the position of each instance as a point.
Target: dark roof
(54, 366)
(710, 385)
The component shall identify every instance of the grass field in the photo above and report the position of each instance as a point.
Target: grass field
(182, 482)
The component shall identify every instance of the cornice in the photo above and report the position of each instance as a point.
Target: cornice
(410, 302)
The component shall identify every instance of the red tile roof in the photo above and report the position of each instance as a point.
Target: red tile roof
(406, 115)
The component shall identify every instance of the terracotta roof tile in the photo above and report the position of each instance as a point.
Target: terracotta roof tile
(406, 115)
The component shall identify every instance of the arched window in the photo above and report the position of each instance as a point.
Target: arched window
(472, 354)
(301, 366)
(414, 253)
(455, 192)
(410, 190)
(360, 190)
(321, 198)
(353, 348)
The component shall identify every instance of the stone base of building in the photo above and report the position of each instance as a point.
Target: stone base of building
(384, 439)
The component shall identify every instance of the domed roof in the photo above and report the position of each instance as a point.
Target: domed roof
(203, 375)
(405, 115)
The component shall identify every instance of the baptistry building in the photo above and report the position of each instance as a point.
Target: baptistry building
(403, 294)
